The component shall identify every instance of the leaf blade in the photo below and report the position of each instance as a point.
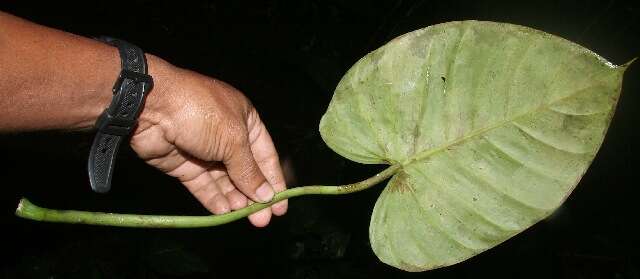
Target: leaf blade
(493, 125)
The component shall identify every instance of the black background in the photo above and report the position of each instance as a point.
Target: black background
(288, 57)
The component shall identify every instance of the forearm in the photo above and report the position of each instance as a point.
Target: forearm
(195, 128)
(50, 79)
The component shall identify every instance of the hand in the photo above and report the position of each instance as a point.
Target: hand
(198, 129)
(208, 135)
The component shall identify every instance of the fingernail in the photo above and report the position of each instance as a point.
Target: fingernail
(265, 192)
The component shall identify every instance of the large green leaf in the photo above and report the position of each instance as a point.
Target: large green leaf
(493, 126)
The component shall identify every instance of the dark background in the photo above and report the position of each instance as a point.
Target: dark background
(288, 57)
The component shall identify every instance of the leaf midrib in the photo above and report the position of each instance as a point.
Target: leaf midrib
(429, 152)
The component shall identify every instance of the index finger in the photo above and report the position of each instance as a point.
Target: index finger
(265, 154)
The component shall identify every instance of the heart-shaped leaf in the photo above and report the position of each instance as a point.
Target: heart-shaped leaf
(493, 126)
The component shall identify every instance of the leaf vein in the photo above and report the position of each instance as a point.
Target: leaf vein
(426, 153)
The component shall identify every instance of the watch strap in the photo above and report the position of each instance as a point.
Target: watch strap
(117, 122)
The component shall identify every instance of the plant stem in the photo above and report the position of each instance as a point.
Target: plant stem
(28, 210)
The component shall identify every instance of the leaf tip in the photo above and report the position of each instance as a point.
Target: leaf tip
(626, 65)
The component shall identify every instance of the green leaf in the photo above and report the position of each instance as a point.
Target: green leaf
(493, 126)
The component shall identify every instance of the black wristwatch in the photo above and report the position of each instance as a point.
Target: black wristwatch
(117, 122)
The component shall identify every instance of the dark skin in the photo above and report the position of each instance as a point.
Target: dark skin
(195, 128)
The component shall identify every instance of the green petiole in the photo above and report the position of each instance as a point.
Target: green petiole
(28, 210)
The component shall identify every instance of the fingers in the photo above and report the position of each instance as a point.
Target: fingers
(246, 174)
(236, 199)
(261, 218)
(266, 156)
(206, 190)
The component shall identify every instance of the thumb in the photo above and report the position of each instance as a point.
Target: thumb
(246, 175)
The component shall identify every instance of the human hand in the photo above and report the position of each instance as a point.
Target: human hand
(195, 128)
(208, 135)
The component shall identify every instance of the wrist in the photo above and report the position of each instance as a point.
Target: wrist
(157, 107)
(123, 115)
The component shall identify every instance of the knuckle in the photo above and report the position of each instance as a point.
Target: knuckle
(218, 204)
(255, 133)
(271, 160)
(228, 139)
(253, 118)
(236, 199)
(248, 175)
(234, 130)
